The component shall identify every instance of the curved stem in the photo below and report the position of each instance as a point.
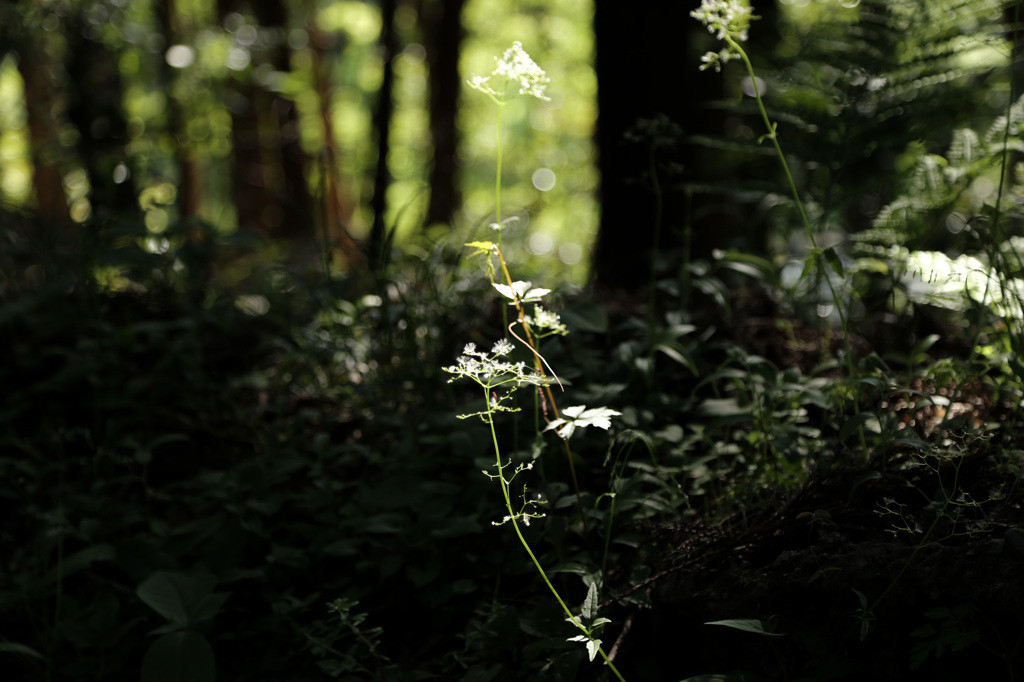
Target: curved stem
(547, 389)
(514, 520)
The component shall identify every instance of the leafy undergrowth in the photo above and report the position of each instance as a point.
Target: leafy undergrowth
(274, 485)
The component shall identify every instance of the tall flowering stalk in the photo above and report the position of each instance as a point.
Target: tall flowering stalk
(730, 20)
(514, 74)
(498, 378)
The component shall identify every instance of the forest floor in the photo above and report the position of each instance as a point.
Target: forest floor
(908, 570)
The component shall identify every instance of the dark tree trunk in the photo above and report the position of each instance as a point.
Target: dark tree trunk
(652, 100)
(270, 189)
(646, 71)
(35, 69)
(188, 180)
(382, 124)
(94, 108)
(442, 25)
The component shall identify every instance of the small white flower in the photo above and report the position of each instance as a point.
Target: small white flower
(517, 67)
(729, 21)
(490, 370)
(502, 347)
(546, 322)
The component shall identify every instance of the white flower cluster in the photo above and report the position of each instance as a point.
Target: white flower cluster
(518, 67)
(729, 21)
(546, 322)
(491, 369)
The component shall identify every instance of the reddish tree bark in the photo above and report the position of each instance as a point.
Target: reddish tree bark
(36, 71)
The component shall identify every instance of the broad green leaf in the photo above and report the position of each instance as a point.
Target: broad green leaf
(747, 625)
(592, 647)
(179, 657)
(182, 598)
(581, 416)
(520, 291)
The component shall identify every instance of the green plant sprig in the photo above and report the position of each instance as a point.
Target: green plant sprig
(729, 20)
(491, 372)
(515, 70)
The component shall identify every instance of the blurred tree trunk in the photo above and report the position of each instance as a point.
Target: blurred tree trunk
(337, 206)
(442, 28)
(270, 191)
(382, 124)
(652, 98)
(94, 108)
(188, 180)
(644, 73)
(36, 68)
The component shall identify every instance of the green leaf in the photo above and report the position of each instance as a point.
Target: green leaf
(182, 598)
(683, 358)
(808, 269)
(867, 420)
(179, 657)
(520, 291)
(592, 647)
(833, 260)
(747, 625)
(15, 648)
(722, 407)
(580, 416)
(590, 603)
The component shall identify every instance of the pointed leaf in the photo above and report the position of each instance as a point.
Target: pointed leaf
(833, 260)
(505, 290)
(180, 597)
(747, 625)
(590, 603)
(15, 648)
(867, 420)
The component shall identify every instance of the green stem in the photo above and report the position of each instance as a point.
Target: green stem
(514, 519)
(775, 139)
(497, 179)
(655, 246)
(796, 194)
(497, 207)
